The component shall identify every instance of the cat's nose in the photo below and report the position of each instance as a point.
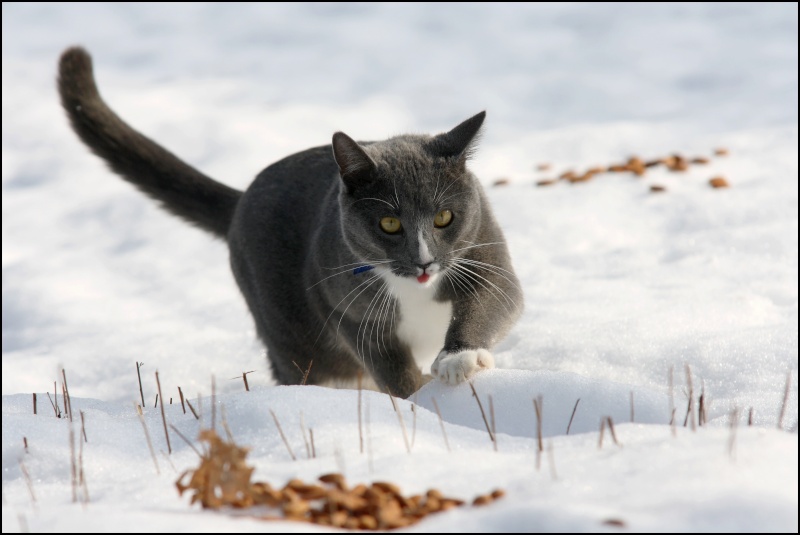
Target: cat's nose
(429, 268)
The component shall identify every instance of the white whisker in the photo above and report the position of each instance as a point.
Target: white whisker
(372, 279)
(445, 189)
(477, 245)
(491, 268)
(463, 283)
(438, 178)
(469, 273)
(394, 323)
(348, 270)
(362, 263)
(375, 199)
(370, 283)
(468, 277)
(382, 315)
(451, 196)
(361, 346)
(380, 325)
(394, 184)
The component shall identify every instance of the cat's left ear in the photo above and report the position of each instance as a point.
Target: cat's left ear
(460, 141)
(355, 166)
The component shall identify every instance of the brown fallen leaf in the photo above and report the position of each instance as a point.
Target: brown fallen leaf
(223, 480)
(580, 178)
(484, 499)
(614, 522)
(387, 487)
(718, 182)
(677, 163)
(334, 479)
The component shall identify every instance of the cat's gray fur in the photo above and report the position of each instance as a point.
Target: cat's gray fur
(297, 233)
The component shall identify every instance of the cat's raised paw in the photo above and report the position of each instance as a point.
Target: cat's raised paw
(455, 368)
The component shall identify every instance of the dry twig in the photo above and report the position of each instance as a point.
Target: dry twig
(163, 416)
(785, 402)
(690, 406)
(147, 437)
(139, 375)
(441, 422)
(602, 432)
(67, 398)
(194, 412)
(402, 424)
(28, 480)
(244, 378)
(83, 427)
(632, 407)
(181, 435)
(303, 431)
(613, 433)
(483, 414)
(360, 432)
(537, 407)
(491, 418)
(573, 414)
(286, 442)
(183, 405)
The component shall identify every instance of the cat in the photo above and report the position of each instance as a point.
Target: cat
(371, 259)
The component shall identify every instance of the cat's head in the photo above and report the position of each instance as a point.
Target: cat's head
(409, 204)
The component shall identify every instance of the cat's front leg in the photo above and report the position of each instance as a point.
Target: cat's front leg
(454, 367)
(486, 303)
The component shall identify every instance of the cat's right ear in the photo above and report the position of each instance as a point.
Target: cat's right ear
(460, 141)
(355, 167)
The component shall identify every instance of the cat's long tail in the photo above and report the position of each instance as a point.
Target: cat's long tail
(181, 189)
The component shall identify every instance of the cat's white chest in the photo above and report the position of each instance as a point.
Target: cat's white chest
(423, 321)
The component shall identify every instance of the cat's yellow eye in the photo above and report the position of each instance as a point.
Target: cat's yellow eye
(391, 225)
(443, 218)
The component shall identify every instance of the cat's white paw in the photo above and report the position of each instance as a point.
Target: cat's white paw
(455, 368)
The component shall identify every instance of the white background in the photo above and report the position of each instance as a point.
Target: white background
(620, 284)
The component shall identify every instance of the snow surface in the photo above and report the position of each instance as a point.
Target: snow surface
(620, 284)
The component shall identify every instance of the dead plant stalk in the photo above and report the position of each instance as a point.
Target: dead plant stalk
(483, 414)
(147, 436)
(286, 442)
(163, 415)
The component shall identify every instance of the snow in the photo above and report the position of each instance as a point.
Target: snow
(620, 284)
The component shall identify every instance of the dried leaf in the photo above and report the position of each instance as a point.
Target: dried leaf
(718, 182)
(223, 479)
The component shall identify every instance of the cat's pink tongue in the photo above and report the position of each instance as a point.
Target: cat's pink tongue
(423, 278)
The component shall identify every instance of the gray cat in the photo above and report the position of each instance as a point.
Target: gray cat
(381, 257)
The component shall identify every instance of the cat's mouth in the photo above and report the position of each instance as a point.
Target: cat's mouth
(425, 280)
(424, 275)
(428, 273)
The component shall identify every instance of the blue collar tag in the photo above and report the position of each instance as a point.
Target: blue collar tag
(362, 269)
